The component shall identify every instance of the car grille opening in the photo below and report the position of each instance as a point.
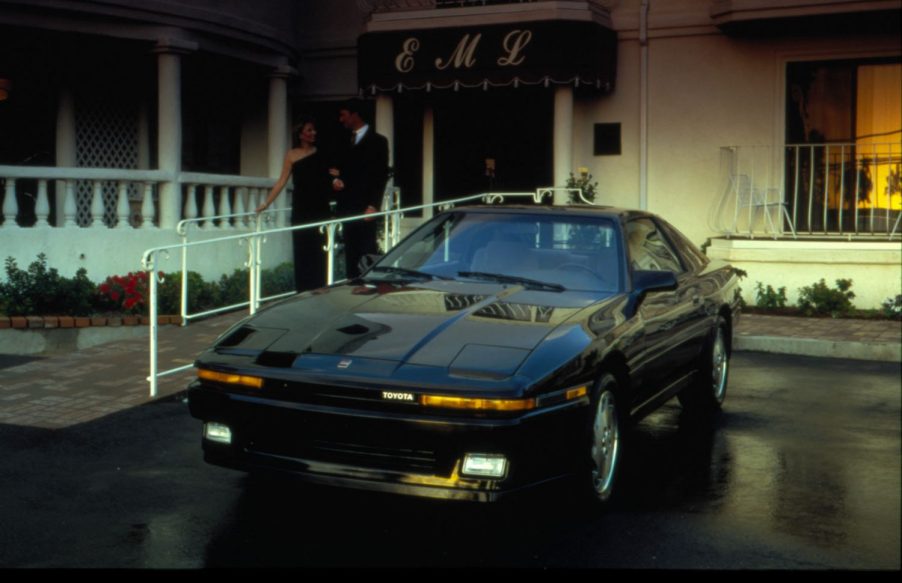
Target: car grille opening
(364, 443)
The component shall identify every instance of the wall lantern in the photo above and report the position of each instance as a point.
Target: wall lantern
(6, 86)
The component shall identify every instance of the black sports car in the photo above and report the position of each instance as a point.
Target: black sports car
(494, 349)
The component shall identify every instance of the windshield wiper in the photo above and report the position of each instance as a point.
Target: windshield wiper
(512, 279)
(405, 271)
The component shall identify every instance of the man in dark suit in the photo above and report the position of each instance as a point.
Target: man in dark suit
(360, 183)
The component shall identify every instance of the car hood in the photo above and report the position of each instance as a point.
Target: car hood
(468, 326)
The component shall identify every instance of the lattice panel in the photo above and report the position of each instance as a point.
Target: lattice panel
(106, 136)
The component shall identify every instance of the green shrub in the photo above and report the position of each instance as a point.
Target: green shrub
(234, 288)
(818, 299)
(892, 307)
(202, 295)
(78, 294)
(277, 280)
(40, 290)
(769, 298)
(584, 182)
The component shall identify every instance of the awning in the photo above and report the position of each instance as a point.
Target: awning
(580, 54)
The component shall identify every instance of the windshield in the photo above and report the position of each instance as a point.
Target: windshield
(552, 252)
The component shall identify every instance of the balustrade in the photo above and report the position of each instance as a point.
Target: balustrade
(45, 197)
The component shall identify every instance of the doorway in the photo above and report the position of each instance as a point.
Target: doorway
(500, 140)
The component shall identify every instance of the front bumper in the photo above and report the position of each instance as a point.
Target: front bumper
(402, 453)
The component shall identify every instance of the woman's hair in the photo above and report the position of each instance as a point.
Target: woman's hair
(302, 121)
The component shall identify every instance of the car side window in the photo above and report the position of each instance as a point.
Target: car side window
(692, 255)
(648, 248)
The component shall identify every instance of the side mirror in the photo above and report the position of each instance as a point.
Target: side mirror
(648, 281)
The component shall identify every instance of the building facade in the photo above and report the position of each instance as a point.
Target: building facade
(769, 131)
(121, 118)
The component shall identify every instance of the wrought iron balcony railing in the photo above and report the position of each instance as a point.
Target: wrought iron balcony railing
(821, 190)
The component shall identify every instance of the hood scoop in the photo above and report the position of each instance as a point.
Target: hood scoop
(275, 359)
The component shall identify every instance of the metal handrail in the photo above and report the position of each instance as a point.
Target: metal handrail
(182, 230)
(254, 241)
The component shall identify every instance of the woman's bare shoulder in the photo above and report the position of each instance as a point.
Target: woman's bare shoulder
(296, 154)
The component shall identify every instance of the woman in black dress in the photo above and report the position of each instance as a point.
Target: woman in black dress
(309, 204)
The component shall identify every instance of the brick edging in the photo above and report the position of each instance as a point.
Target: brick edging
(44, 322)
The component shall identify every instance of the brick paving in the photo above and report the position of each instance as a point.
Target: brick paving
(840, 330)
(62, 390)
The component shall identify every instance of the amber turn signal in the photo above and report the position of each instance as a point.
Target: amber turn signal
(230, 379)
(477, 404)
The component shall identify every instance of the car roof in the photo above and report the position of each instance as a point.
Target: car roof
(610, 212)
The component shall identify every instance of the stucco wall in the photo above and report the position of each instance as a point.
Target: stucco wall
(874, 268)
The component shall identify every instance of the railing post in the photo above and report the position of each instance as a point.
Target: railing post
(252, 266)
(811, 176)
(330, 230)
(42, 205)
(225, 207)
(258, 268)
(842, 185)
(147, 206)
(795, 192)
(826, 186)
(122, 206)
(207, 210)
(97, 207)
(70, 208)
(10, 205)
(154, 296)
(183, 291)
(190, 211)
(239, 210)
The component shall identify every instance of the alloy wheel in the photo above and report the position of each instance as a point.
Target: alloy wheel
(605, 445)
(719, 366)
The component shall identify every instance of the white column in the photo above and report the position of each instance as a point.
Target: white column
(65, 148)
(428, 159)
(169, 127)
(385, 123)
(278, 131)
(563, 140)
(643, 105)
(143, 137)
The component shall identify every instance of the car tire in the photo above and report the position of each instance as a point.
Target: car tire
(709, 388)
(605, 442)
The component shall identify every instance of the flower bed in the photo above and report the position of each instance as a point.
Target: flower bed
(40, 293)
